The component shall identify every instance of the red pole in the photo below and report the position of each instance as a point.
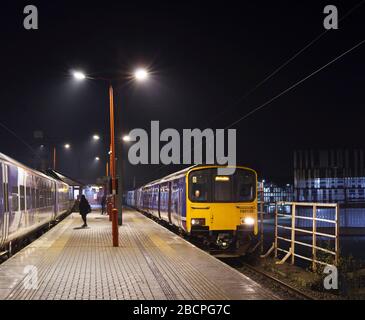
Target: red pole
(109, 209)
(112, 169)
(115, 227)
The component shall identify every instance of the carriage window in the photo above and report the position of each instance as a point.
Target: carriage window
(222, 189)
(14, 199)
(200, 186)
(244, 186)
(22, 198)
(1, 192)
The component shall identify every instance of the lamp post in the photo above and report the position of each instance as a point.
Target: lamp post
(139, 75)
(66, 146)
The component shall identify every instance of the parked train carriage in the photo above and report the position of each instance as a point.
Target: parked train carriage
(28, 200)
(164, 209)
(63, 198)
(131, 198)
(221, 209)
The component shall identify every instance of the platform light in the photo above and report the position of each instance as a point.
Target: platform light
(67, 146)
(126, 138)
(141, 74)
(97, 158)
(78, 75)
(96, 137)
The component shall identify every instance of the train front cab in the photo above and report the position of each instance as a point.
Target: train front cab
(222, 209)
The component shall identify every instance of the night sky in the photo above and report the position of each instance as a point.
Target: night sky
(204, 57)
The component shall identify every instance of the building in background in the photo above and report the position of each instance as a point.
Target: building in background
(274, 193)
(332, 176)
(94, 194)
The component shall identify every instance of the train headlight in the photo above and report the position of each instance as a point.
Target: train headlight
(248, 221)
(198, 222)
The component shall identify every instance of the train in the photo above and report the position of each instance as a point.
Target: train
(29, 201)
(219, 210)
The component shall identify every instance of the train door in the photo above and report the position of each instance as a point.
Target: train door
(55, 196)
(29, 196)
(169, 206)
(5, 202)
(159, 201)
(14, 199)
(2, 206)
(200, 200)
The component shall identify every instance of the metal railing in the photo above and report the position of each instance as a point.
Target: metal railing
(293, 230)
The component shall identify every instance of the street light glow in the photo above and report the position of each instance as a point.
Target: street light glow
(141, 74)
(67, 146)
(97, 158)
(79, 75)
(96, 137)
(126, 138)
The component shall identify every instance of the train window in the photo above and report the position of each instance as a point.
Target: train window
(13, 187)
(244, 185)
(200, 186)
(22, 198)
(14, 198)
(1, 192)
(222, 189)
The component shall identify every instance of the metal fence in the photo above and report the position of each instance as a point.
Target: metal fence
(321, 225)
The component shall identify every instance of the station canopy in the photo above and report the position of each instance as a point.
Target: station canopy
(71, 182)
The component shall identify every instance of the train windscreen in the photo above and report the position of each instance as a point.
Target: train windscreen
(206, 185)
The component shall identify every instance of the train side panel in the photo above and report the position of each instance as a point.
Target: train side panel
(178, 203)
(28, 200)
(155, 200)
(165, 200)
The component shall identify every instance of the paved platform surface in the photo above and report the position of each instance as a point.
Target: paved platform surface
(151, 263)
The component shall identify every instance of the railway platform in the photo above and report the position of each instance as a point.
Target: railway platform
(150, 263)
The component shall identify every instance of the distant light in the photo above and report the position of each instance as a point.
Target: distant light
(141, 74)
(97, 158)
(96, 137)
(126, 138)
(109, 152)
(67, 146)
(79, 75)
(42, 146)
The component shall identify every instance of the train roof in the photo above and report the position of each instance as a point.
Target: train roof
(183, 172)
(10, 160)
(57, 175)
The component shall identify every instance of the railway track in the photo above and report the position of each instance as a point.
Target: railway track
(287, 291)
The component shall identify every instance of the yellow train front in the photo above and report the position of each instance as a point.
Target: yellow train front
(222, 209)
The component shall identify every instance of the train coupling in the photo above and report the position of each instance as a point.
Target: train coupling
(224, 240)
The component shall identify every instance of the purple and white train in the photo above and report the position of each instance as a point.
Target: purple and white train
(29, 201)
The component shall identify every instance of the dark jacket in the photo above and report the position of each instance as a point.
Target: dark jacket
(84, 207)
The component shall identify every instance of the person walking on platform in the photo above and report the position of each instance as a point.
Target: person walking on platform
(84, 209)
(103, 203)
